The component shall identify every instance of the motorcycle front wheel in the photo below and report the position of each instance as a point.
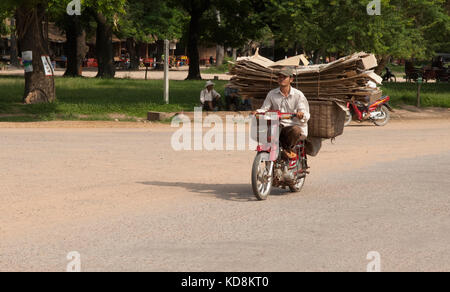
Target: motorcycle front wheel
(384, 116)
(262, 176)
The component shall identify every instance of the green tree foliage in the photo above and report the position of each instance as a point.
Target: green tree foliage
(146, 19)
(405, 29)
(231, 23)
(106, 14)
(4, 28)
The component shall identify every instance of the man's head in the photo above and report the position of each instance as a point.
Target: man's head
(209, 85)
(285, 77)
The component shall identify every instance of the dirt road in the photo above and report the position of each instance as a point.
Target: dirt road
(174, 74)
(125, 201)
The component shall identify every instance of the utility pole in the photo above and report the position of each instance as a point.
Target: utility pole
(166, 71)
(419, 84)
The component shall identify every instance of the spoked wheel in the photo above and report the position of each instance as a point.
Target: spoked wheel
(298, 186)
(382, 117)
(348, 118)
(262, 176)
(390, 79)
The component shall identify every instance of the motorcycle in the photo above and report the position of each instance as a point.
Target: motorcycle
(389, 76)
(270, 168)
(377, 112)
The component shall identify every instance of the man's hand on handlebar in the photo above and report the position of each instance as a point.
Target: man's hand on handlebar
(299, 115)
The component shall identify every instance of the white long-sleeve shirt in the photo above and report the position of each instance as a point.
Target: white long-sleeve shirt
(206, 95)
(295, 102)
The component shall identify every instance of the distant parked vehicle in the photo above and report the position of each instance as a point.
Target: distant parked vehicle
(438, 70)
(389, 76)
(441, 66)
(412, 72)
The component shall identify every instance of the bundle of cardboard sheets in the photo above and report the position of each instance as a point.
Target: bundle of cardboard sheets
(340, 80)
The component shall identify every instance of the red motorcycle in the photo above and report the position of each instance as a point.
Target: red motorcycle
(270, 168)
(377, 112)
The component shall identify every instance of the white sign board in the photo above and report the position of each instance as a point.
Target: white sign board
(27, 60)
(46, 62)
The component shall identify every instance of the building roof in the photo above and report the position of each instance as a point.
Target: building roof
(55, 34)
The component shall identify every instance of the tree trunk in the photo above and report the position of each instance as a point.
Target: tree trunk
(75, 48)
(220, 53)
(14, 50)
(194, 58)
(248, 49)
(382, 62)
(317, 55)
(159, 55)
(234, 54)
(104, 48)
(38, 87)
(133, 50)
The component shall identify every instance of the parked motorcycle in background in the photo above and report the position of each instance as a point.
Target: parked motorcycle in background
(377, 112)
(389, 76)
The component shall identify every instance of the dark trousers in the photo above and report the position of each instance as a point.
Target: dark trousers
(215, 103)
(232, 100)
(290, 137)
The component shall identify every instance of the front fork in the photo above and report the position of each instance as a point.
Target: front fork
(271, 165)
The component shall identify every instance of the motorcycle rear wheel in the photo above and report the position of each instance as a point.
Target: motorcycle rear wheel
(299, 186)
(261, 182)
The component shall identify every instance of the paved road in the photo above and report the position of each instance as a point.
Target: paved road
(126, 201)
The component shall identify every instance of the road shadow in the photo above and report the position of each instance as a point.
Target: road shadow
(229, 192)
(360, 125)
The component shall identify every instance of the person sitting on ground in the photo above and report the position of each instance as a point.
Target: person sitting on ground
(246, 104)
(232, 98)
(287, 99)
(209, 98)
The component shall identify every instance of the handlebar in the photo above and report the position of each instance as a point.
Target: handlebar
(281, 116)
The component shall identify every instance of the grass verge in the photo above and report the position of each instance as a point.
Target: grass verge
(432, 94)
(100, 99)
(125, 99)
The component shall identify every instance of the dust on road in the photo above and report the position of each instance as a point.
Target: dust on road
(126, 201)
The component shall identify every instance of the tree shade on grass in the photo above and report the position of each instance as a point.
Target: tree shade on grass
(100, 98)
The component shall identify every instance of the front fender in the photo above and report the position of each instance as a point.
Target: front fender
(389, 107)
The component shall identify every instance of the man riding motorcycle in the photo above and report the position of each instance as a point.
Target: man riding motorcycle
(287, 99)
